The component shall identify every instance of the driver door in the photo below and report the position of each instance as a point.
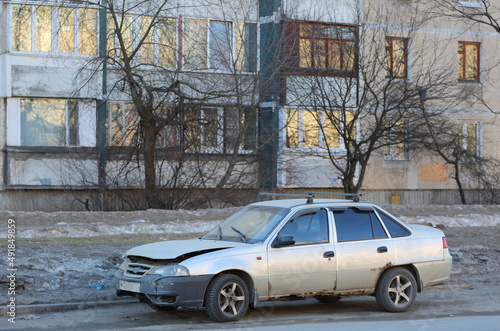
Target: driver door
(308, 265)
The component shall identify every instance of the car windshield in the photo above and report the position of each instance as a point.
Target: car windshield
(251, 224)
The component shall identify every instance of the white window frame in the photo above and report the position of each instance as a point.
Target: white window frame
(109, 122)
(479, 136)
(233, 39)
(219, 134)
(54, 31)
(219, 148)
(321, 148)
(471, 3)
(136, 35)
(392, 147)
(81, 115)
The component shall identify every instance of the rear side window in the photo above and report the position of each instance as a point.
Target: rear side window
(355, 224)
(395, 229)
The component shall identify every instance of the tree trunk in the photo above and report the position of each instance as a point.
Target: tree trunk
(459, 184)
(153, 198)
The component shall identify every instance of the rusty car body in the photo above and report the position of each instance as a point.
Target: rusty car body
(292, 248)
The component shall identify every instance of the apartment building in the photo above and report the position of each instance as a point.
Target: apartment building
(241, 95)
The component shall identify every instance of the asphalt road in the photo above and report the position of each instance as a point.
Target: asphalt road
(442, 308)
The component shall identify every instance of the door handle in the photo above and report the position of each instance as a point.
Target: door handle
(328, 254)
(382, 249)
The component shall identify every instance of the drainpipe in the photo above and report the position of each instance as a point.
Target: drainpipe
(269, 92)
(102, 106)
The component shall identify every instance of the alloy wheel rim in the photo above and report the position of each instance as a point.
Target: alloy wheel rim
(400, 291)
(231, 299)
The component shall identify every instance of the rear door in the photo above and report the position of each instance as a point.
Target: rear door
(308, 265)
(363, 248)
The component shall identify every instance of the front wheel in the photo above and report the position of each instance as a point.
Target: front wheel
(396, 290)
(227, 298)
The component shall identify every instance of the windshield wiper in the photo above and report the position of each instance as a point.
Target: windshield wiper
(242, 236)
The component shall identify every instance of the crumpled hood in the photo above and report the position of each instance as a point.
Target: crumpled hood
(165, 250)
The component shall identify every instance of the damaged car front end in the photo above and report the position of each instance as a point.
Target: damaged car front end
(165, 283)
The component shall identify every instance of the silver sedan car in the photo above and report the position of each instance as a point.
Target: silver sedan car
(294, 248)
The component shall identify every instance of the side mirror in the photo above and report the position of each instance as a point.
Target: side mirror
(284, 240)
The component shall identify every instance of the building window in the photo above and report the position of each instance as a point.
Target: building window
(159, 40)
(397, 57)
(305, 128)
(43, 30)
(470, 139)
(218, 45)
(395, 146)
(240, 127)
(122, 124)
(468, 61)
(87, 27)
(21, 28)
(76, 31)
(325, 48)
(246, 47)
(167, 43)
(169, 137)
(204, 129)
(195, 44)
(49, 122)
(470, 3)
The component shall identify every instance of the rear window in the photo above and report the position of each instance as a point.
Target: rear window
(395, 229)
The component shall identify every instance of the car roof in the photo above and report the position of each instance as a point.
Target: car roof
(292, 203)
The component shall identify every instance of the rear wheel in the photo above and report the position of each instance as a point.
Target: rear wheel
(227, 298)
(396, 290)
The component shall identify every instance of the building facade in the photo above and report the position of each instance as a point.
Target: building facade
(241, 96)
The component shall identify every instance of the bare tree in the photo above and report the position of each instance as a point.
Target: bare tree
(476, 12)
(446, 138)
(369, 105)
(181, 92)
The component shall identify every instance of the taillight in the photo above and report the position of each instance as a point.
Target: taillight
(445, 243)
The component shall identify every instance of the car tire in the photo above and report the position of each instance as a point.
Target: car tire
(330, 299)
(160, 307)
(227, 298)
(396, 290)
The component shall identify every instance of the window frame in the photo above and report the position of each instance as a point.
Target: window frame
(55, 30)
(462, 63)
(391, 148)
(292, 51)
(71, 123)
(199, 147)
(390, 57)
(301, 213)
(321, 145)
(240, 35)
(464, 138)
(373, 217)
(471, 3)
(126, 136)
(381, 213)
(133, 26)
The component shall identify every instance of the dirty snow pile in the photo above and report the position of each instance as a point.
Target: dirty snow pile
(63, 229)
(89, 224)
